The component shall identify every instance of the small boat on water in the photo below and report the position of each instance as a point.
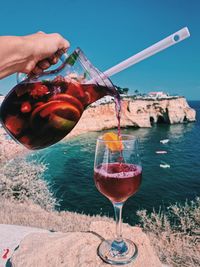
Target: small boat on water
(164, 141)
(164, 165)
(161, 152)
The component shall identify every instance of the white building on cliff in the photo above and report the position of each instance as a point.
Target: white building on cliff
(156, 95)
(104, 100)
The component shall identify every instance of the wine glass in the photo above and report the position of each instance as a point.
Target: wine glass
(117, 175)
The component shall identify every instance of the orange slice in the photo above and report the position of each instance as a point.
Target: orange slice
(113, 142)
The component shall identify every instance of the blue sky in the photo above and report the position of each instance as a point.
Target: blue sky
(109, 31)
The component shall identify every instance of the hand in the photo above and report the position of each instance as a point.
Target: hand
(30, 54)
(47, 49)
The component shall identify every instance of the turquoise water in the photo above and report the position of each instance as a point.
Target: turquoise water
(70, 170)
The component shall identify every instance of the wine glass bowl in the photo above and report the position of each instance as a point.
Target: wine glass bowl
(117, 175)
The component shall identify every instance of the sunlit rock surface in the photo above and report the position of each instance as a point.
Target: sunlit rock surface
(135, 113)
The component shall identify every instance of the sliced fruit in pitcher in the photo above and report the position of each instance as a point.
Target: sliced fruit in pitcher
(75, 89)
(56, 111)
(26, 107)
(39, 90)
(69, 99)
(25, 140)
(61, 123)
(92, 93)
(14, 124)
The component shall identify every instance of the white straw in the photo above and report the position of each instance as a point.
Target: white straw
(150, 51)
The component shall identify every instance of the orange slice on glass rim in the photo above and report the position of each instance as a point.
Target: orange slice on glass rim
(113, 141)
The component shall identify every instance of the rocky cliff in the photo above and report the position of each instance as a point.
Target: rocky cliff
(135, 113)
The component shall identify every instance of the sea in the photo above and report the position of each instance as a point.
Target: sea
(70, 170)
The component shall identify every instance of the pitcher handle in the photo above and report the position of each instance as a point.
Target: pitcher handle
(23, 76)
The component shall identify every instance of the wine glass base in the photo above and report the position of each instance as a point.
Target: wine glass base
(118, 253)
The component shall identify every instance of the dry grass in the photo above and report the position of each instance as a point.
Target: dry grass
(175, 233)
(28, 214)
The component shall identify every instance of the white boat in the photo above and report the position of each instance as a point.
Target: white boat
(164, 141)
(164, 165)
(161, 152)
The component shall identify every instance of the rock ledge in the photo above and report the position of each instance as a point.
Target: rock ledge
(79, 249)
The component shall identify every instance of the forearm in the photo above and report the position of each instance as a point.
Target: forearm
(14, 54)
(32, 53)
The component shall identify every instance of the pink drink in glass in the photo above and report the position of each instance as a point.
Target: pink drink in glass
(118, 181)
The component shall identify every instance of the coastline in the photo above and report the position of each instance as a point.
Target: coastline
(138, 113)
(12, 212)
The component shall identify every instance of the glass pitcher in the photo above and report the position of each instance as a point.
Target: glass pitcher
(41, 110)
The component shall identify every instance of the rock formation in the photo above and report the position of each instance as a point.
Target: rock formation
(74, 249)
(135, 113)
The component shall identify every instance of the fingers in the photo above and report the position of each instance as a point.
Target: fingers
(60, 52)
(54, 58)
(52, 46)
(37, 70)
(63, 44)
(60, 44)
(46, 63)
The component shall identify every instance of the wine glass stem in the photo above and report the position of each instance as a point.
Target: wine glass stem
(118, 218)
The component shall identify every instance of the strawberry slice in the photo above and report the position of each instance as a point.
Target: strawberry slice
(25, 140)
(39, 90)
(25, 107)
(14, 124)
